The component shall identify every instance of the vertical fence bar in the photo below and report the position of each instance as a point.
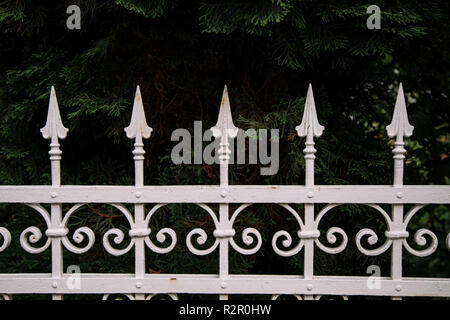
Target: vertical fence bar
(138, 129)
(53, 130)
(309, 128)
(398, 128)
(224, 129)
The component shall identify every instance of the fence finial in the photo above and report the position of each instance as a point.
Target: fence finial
(224, 129)
(138, 127)
(309, 128)
(309, 121)
(399, 128)
(54, 128)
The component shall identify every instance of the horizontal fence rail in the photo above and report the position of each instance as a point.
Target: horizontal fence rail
(141, 285)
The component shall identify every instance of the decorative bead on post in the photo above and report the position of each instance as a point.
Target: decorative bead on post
(309, 128)
(224, 129)
(138, 130)
(55, 130)
(398, 128)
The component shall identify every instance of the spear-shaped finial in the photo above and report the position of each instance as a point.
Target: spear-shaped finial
(399, 128)
(224, 129)
(138, 129)
(309, 128)
(54, 130)
(309, 124)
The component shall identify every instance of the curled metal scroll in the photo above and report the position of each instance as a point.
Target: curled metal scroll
(161, 235)
(248, 235)
(419, 238)
(331, 233)
(78, 235)
(309, 234)
(118, 234)
(372, 236)
(33, 234)
(6, 235)
(201, 235)
(287, 242)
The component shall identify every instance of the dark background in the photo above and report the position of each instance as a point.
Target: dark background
(182, 53)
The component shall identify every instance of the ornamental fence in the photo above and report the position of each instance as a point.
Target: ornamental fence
(142, 285)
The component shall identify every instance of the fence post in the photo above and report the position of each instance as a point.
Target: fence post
(398, 128)
(53, 130)
(309, 128)
(224, 129)
(138, 129)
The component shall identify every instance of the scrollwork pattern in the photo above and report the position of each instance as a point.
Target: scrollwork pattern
(33, 234)
(78, 235)
(248, 235)
(118, 234)
(201, 235)
(161, 235)
(398, 233)
(304, 234)
(6, 235)
(136, 231)
(287, 242)
(331, 233)
(419, 238)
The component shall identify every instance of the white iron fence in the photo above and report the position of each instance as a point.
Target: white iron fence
(142, 285)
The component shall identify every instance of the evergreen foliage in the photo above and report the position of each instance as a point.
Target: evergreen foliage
(181, 53)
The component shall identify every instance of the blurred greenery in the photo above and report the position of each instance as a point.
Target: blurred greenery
(181, 53)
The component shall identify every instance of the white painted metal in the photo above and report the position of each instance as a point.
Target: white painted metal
(224, 130)
(306, 285)
(309, 128)
(138, 129)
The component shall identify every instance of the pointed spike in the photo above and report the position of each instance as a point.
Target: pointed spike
(224, 123)
(54, 128)
(138, 125)
(309, 120)
(400, 125)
